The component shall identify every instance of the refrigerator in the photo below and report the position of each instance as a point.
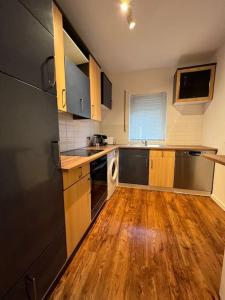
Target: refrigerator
(32, 225)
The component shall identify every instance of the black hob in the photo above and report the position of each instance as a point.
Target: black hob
(80, 152)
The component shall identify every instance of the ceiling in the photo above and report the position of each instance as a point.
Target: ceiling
(167, 31)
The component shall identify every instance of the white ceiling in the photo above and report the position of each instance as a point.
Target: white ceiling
(167, 31)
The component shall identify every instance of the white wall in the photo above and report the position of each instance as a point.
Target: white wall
(73, 133)
(184, 124)
(214, 126)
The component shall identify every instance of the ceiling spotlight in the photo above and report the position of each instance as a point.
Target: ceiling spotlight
(132, 25)
(124, 6)
(130, 20)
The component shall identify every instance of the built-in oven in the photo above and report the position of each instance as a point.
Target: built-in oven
(98, 184)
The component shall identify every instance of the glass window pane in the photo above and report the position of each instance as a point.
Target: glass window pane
(147, 117)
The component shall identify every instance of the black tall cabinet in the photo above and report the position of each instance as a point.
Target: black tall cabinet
(32, 226)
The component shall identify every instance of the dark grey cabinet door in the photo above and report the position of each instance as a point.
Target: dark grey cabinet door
(31, 194)
(42, 11)
(36, 281)
(106, 91)
(133, 166)
(27, 48)
(77, 91)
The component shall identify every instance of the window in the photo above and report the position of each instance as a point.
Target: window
(147, 117)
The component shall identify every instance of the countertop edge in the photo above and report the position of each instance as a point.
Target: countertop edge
(220, 159)
(71, 162)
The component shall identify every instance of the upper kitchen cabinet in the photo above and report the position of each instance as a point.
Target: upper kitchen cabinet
(73, 86)
(106, 91)
(194, 84)
(95, 89)
(77, 91)
(24, 37)
(77, 82)
(42, 11)
(59, 59)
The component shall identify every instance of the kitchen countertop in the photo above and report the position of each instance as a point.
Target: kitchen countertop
(70, 162)
(170, 147)
(220, 159)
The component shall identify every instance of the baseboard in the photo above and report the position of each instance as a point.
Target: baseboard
(218, 201)
(164, 189)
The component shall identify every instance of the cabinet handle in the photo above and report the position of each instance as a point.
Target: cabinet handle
(51, 81)
(56, 154)
(63, 102)
(124, 110)
(151, 163)
(92, 114)
(81, 173)
(82, 104)
(32, 280)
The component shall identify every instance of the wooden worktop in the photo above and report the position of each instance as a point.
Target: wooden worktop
(220, 159)
(70, 162)
(170, 147)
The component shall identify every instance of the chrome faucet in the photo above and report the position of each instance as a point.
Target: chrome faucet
(145, 142)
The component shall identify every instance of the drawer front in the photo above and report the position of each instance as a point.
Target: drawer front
(72, 176)
(155, 153)
(37, 280)
(162, 154)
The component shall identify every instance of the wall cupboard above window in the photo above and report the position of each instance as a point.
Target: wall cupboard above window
(194, 84)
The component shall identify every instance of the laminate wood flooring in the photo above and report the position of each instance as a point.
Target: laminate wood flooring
(149, 245)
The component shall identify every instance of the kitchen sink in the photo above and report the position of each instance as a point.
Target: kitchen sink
(147, 146)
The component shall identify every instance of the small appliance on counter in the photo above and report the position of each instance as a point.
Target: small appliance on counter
(111, 140)
(99, 140)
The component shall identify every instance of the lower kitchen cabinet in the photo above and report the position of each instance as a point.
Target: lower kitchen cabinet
(77, 203)
(133, 166)
(36, 281)
(161, 168)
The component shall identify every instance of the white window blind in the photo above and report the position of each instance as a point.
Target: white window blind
(147, 117)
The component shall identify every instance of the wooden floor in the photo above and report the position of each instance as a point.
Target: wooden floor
(149, 245)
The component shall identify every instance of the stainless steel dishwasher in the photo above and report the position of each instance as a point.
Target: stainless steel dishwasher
(193, 172)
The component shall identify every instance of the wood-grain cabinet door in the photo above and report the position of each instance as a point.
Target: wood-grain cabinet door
(161, 168)
(95, 89)
(77, 203)
(59, 59)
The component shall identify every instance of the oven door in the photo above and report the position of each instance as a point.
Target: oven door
(98, 184)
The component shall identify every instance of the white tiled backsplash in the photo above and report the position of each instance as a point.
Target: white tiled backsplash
(73, 133)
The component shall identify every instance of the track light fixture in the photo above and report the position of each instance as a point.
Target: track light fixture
(124, 6)
(126, 9)
(130, 20)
